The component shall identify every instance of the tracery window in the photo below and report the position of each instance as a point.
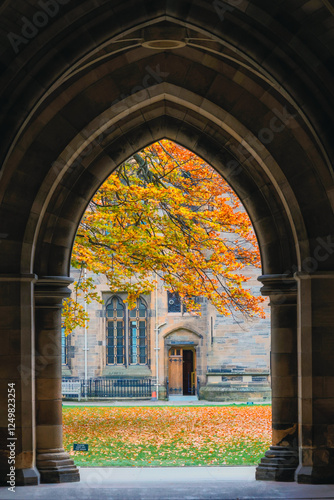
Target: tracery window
(138, 334)
(127, 337)
(115, 331)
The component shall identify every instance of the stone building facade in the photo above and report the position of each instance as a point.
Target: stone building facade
(218, 357)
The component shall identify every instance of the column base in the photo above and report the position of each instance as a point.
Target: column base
(23, 477)
(278, 464)
(56, 466)
(27, 477)
(315, 475)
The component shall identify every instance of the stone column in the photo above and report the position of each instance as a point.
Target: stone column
(53, 463)
(17, 368)
(281, 460)
(316, 377)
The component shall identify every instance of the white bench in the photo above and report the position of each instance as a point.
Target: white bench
(71, 388)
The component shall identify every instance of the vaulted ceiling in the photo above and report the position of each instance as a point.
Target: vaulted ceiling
(247, 85)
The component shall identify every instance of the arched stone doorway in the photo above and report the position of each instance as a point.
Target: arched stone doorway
(183, 360)
(247, 90)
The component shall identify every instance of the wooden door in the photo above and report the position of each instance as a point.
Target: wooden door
(175, 371)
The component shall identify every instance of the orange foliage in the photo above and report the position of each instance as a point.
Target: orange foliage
(164, 434)
(167, 213)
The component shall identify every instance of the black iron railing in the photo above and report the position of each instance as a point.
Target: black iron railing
(198, 387)
(116, 388)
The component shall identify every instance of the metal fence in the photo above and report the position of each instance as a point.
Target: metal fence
(114, 388)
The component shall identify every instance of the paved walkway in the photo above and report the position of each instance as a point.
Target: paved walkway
(170, 483)
(150, 402)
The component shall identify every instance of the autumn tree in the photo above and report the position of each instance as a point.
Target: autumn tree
(167, 214)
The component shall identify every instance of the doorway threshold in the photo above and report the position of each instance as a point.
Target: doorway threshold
(182, 399)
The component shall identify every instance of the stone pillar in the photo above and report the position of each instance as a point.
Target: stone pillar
(17, 367)
(281, 460)
(53, 463)
(316, 377)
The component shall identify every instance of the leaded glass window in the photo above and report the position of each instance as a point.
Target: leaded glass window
(174, 302)
(138, 334)
(115, 311)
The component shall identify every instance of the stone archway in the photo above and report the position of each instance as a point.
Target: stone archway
(86, 91)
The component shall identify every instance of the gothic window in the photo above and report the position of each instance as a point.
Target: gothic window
(115, 332)
(126, 333)
(138, 334)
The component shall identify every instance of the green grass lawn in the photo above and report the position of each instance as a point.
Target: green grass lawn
(168, 435)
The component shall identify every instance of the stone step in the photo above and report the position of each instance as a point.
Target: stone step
(183, 398)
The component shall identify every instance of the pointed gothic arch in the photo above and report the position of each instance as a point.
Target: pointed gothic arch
(248, 90)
